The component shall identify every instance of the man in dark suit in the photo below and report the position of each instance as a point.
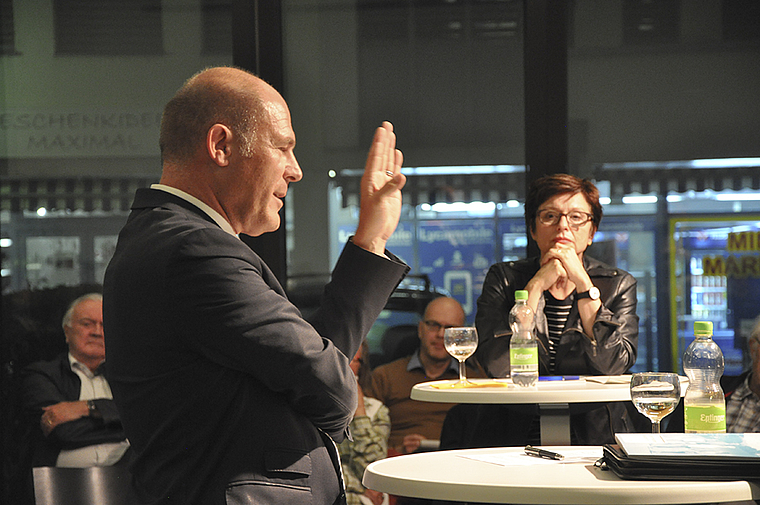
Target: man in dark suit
(227, 394)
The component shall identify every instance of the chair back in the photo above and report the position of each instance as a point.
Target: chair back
(98, 485)
(399, 341)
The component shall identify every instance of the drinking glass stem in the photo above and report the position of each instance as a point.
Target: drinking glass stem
(462, 377)
(655, 426)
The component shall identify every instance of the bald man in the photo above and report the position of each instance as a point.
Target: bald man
(227, 394)
(413, 421)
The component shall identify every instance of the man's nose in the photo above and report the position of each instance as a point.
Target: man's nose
(294, 173)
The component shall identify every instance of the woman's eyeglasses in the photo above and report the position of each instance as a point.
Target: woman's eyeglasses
(548, 217)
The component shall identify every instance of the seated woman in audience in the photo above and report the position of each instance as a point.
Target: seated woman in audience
(586, 320)
(370, 430)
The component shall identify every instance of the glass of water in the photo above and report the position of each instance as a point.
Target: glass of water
(461, 342)
(655, 394)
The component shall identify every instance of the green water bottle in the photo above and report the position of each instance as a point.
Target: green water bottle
(704, 402)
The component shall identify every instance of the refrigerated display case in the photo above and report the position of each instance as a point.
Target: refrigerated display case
(715, 277)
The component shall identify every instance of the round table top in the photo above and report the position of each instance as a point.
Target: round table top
(583, 390)
(507, 475)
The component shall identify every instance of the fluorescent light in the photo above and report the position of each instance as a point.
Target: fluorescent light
(470, 208)
(703, 163)
(447, 170)
(6, 242)
(640, 199)
(605, 200)
(725, 163)
(737, 197)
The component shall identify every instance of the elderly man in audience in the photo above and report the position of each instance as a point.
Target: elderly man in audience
(743, 393)
(70, 399)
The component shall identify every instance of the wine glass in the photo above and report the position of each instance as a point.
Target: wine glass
(655, 394)
(461, 342)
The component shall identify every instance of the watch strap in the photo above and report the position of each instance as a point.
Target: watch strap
(588, 294)
(92, 409)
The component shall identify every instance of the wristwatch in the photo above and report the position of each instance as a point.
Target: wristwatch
(92, 409)
(592, 293)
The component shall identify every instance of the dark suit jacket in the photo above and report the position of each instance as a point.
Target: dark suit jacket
(50, 382)
(226, 392)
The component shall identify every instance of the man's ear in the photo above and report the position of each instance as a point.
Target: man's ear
(219, 144)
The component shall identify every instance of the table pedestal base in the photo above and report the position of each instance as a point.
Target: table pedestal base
(555, 423)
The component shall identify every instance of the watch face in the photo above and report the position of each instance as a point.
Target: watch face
(593, 293)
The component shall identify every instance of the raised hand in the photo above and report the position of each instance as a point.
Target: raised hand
(381, 184)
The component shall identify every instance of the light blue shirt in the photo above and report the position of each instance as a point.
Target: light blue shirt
(415, 363)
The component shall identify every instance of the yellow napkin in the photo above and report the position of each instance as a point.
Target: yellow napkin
(468, 384)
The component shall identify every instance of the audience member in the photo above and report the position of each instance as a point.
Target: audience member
(369, 430)
(585, 310)
(742, 394)
(69, 397)
(413, 421)
(226, 393)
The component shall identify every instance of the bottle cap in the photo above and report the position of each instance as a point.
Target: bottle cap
(521, 294)
(703, 328)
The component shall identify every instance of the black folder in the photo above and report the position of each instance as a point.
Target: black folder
(678, 467)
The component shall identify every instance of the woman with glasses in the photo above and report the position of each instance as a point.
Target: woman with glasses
(586, 320)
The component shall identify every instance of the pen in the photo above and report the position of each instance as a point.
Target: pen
(542, 453)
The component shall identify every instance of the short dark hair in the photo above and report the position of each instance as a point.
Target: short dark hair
(201, 103)
(550, 186)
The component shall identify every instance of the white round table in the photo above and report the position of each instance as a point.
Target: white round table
(506, 475)
(553, 397)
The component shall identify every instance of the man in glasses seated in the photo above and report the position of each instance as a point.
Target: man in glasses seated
(413, 421)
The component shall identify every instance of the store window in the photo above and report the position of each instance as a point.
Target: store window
(716, 277)
(635, 71)
(633, 90)
(84, 85)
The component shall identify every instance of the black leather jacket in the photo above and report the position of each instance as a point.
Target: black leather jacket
(616, 332)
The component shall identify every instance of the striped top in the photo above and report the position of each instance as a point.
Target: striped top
(557, 312)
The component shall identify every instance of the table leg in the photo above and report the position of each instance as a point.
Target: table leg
(555, 423)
